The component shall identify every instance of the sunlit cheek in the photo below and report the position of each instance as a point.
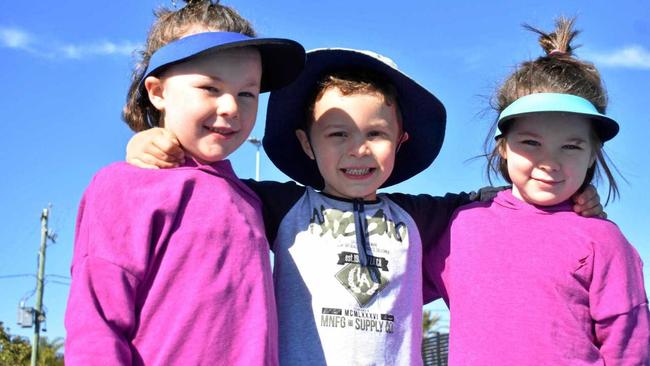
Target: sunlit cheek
(580, 168)
(388, 168)
(249, 112)
(388, 161)
(518, 164)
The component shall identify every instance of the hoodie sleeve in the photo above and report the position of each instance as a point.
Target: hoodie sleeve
(618, 302)
(100, 315)
(625, 337)
(121, 218)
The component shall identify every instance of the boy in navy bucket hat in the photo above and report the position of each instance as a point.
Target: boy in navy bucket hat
(348, 260)
(423, 116)
(347, 264)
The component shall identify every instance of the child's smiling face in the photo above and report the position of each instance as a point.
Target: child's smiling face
(210, 103)
(353, 139)
(548, 155)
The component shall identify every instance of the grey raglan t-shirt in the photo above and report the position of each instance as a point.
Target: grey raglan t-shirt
(331, 311)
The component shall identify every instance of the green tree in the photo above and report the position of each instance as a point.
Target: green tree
(14, 350)
(17, 351)
(50, 352)
(429, 321)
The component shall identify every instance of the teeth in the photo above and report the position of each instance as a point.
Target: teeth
(357, 171)
(222, 131)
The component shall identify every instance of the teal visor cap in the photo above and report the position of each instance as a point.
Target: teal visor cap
(605, 127)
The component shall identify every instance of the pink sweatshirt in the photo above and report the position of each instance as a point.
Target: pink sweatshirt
(170, 267)
(531, 285)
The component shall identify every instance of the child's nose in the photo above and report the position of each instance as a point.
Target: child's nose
(227, 105)
(549, 162)
(359, 148)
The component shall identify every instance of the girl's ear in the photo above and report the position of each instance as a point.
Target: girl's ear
(592, 160)
(501, 147)
(305, 144)
(155, 89)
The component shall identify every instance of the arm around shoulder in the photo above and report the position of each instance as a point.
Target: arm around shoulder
(277, 199)
(432, 214)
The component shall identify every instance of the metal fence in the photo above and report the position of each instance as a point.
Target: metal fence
(435, 349)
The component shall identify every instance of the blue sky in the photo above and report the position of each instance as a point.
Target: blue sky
(65, 68)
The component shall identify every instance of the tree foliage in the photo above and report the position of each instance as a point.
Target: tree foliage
(17, 351)
(429, 321)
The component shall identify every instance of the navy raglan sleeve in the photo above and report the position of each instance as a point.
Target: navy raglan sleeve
(277, 199)
(432, 215)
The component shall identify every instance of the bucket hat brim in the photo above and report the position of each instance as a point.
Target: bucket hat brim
(423, 116)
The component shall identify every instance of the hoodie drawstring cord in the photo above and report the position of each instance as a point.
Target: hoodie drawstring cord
(361, 230)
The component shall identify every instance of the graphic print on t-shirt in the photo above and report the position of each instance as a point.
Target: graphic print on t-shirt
(356, 278)
(358, 319)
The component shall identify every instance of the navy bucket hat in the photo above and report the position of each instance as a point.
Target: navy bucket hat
(423, 116)
(282, 59)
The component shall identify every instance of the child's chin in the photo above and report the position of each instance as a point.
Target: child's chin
(211, 156)
(546, 199)
(365, 194)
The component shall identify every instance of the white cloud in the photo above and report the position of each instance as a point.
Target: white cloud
(103, 48)
(20, 40)
(631, 57)
(15, 38)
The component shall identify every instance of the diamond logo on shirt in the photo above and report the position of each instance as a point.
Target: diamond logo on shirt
(357, 280)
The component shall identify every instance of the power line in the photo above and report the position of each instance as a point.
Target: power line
(18, 275)
(33, 275)
(58, 282)
(58, 276)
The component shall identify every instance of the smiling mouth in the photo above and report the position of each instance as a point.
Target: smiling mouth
(358, 172)
(548, 182)
(221, 130)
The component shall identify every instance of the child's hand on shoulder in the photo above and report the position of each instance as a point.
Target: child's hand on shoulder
(154, 148)
(587, 203)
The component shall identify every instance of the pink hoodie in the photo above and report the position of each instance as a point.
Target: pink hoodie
(171, 267)
(529, 285)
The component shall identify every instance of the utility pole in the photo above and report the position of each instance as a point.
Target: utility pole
(257, 142)
(38, 309)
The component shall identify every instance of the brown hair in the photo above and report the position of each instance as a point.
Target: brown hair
(171, 25)
(555, 72)
(352, 82)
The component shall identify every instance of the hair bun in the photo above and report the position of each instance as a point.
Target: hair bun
(200, 2)
(558, 42)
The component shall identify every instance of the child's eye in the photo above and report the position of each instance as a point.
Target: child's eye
(530, 142)
(247, 95)
(376, 134)
(572, 147)
(209, 89)
(337, 134)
